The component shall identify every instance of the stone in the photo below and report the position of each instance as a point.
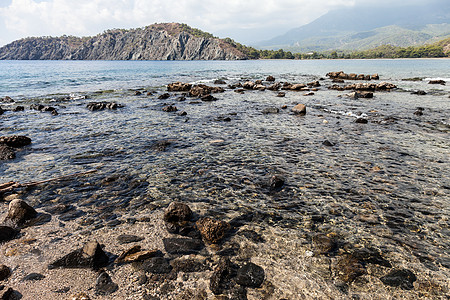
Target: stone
(177, 212)
(155, 265)
(6, 293)
(270, 78)
(220, 81)
(7, 99)
(189, 265)
(401, 278)
(7, 233)
(5, 272)
(309, 94)
(212, 231)
(274, 87)
(250, 275)
(221, 279)
(182, 113)
(299, 109)
(90, 256)
(135, 254)
(208, 98)
(33, 277)
(437, 81)
(374, 77)
(104, 284)
(94, 106)
(419, 92)
(361, 120)
(137, 93)
(327, 143)
(270, 110)
(128, 238)
(297, 87)
(313, 84)
(179, 87)
(182, 245)
(15, 141)
(164, 96)
(348, 268)
(169, 108)
(7, 152)
(276, 182)
(418, 112)
(80, 296)
(18, 108)
(19, 212)
(248, 85)
(323, 244)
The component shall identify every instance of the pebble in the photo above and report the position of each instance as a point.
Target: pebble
(177, 212)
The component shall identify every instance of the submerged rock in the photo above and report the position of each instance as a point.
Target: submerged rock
(212, 231)
(7, 152)
(401, 278)
(90, 256)
(169, 108)
(221, 279)
(348, 268)
(270, 78)
(177, 212)
(437, 81)
(250, 275)
(128, 238)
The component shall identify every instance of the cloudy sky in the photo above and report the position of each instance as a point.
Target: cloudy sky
(245, 21)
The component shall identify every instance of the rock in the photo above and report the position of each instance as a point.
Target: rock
(182, 113)
(179, 87)
(297, 87)
(6, 293)
(250, 275)
(212, 231)
(105, 285)
(189, 265)
(7, 99)
(164, 96)
(313, 84)
(356, 95)
(361, 120)
(239, 91)
(155, 265)
(169, 108)
(182, 245)
(248, 85)
(19, 108)
(1, 111)
(15, 141)
(128, 238)
(323, 244)
(7, 233)
(309, 94)
(19, 212)
(276, 182)
(270, 78)
(419, 92)
(90, 256)
(135, 254)
(348, 268)
(7, 152)
(94, 106)
(270, 110)
(137, 93)
(258, 82)
(177, 212)
(327, 143)
(80, 296)
(259, 87)
(220, 81)
(252, 235)
(401, 278)
(418, 112)
(208, 98)
(5, 272)
(284, 106)
(33, 277)
(437, 81)
(203, 90)
(274, 87)
(299, 109)
(281, 94)
(372, 256)
(221, 278)
(374, 77)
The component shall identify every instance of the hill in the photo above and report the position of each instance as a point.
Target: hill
(166, 41)
(365, 27)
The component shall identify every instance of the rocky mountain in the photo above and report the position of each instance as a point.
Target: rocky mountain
(368, 26)
(167, 41)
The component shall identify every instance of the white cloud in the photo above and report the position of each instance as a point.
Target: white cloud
(22, 18)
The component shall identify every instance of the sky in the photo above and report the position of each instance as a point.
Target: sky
(246, 21)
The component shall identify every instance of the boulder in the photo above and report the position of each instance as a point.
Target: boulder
(313, 84)
(374, 77)
(248, 85)
(94, 106)
(90, 256)
(348, 268)
(361, 120)
(15, 141)
(179, 87)
(270, 110)
(220, 81)
(19, 108)
(222, 276)
(212, 231)
(281, 94)
(19, 212)
(299, 109)
(164, 96)
(1, 111)
(259, 87)
(250, 275)
(274, 87)
(6, 293)
(297, 87)
(208, 98)
(7, 99)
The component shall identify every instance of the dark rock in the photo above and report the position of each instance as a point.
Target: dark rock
(19, 108)
(323, 244)
(177, 212)
(128, 238)
(182, 245)
(221, 278)
(208, 98)
(270, 78)
(252, 235)
(299, 109)
(7, 99)
(372, 256)
(135, 254)
(257, 82)
(212, 231)
(420, 93)
(6, 293)
(348, 268)
(137, 93)
(155, 265)
(361, 121)
(274, 87)
(5, 272)
(418, 112)
(438, 81)
(189, 265)
(94, 106)
(239, 91)
(1, 111)
(15, 141)
(313, 84)
(33, 277)
(284, 106)
(328, 143)
(219, 81)
(19, 212)
(179, 87)
(90, 256)
(105, 285)
(7, 152)
(7, 233)
(161, 145)
(276, 182)
(36, 106)
(250, 275)
(181, 98)
(248, 85)
(164, 96)
(231, 250)
(401, 278)
(297, 87)
(169, 108)
(182, 113)
(270, 110)
(309, 94)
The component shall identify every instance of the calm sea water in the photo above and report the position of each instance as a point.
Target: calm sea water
(383, 185)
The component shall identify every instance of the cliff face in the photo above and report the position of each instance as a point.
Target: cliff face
(156, 42)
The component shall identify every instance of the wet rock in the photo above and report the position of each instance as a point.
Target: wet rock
(5, 272)
(202, 90)
(181, 98)
(36, 107)
(299, 109)
(155, 265)
(401, 278)
(309, 94)
(7, 99)
(177, 212)
(418, 112)
(182, 245)
(95, 106)
(274, 87)
(348, 268)
(19, 212)
(6, 293)
(239, 91)
(328, 143)
(128, 238)
(276, 182)
(90, 256)
(437, 81)
(212, 231)
(281, 94)
(356, 95)
(1, 111)
(208, 98)
(169, 108)
(250, 275)
(7, 233)
(323, 244)
(372, 256)
(15, 141)
(179, 87)
(105, 285)
(248, 85)
(420, 93)
(7, 152)
(284, 106)
(161, 145)
(164, 96)
(297, 87)
(313, 84)
(374, 77)
(270, 110)
(220, 81)
(137, 93)
(270, 78)
(189, 265)
(182, 113)
(252, 235)
(33, 277)
(135, 254)
(221, 278)
(19, 108)
(361, 121)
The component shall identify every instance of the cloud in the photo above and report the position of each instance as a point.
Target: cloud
(22, 18)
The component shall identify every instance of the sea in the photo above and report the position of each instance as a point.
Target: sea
(340, 186)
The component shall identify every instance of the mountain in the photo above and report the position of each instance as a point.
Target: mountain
(166, 41)
(364, 27)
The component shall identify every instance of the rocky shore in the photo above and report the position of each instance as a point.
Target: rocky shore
(142, 247)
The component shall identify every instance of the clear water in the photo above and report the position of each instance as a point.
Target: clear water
(384, 185)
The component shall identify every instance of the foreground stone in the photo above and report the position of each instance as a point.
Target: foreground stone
(221, 277)
(6, 293)
(177, 212)
(5, 272)
(105, 285)
(212, 231)
(90, 256)
(15, 141)
(19, 212)
(250, 275)
(401, 278)
(299, 109)
(7, 233)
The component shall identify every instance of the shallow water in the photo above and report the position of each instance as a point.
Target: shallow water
(383, 185)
